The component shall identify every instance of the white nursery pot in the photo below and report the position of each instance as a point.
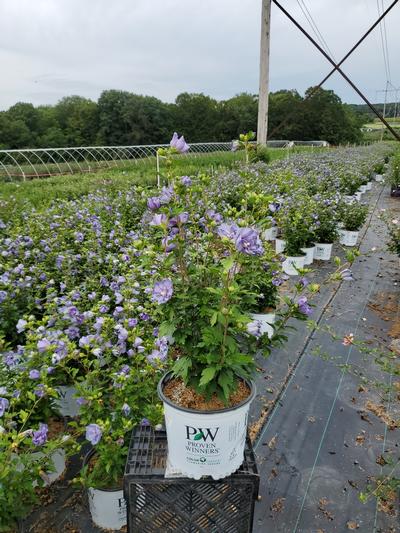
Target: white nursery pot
(362, 189)
(357, 196)
(205, 443)
(279, 245)
(271, 234)
(107, 507)
(266, 319)
(378, 177)
(348, 238)
(349, 199)
(66, 403)
(58, 458)
(309, 257)
(292, 264)
(323, 251)
(369, 186)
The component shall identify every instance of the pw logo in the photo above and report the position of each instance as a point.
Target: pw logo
(201, 434)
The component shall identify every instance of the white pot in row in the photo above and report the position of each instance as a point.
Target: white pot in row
(271, 234)
(267, 320)
(348, 238)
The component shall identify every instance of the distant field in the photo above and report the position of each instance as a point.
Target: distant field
(19, 196)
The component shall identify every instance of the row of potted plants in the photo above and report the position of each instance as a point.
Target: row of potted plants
(100, 296)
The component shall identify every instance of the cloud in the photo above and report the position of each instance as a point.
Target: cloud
(53, 48)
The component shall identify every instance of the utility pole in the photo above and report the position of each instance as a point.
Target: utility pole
(263, 93)
(384, 108)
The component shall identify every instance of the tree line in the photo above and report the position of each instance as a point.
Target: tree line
(124, 118)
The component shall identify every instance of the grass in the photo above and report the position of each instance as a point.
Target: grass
(19, 197)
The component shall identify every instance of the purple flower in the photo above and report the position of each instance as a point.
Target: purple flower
(126, 409)
(34, 374)
(156, 357)
(168, 244)
(304, 282)
(254, 328)
(132, 322)
(186, 181)
(21, 325)
(228, 230)
(3, 296)
(121, 332)
(4, 403)
(153, 203)
(40, 390)
(72, 332)
(304, 307)
(248, 242)
(162, 291)
(93, 434)
(179, 143)
(43, 345)
(81, 401)
(167, 193)
(145, 422)
(347, 275)
(40, 436)
(158, 220)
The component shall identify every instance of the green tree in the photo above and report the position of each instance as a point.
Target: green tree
(237, 115)
(196, 116)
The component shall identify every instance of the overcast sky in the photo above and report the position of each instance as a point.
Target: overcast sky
(55, 48)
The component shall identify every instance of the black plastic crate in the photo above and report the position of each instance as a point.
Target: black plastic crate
(156, 504)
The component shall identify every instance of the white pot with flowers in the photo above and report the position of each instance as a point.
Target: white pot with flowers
(198, 294)
(352, 217)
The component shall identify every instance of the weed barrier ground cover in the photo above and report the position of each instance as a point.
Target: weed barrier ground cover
(321, 443)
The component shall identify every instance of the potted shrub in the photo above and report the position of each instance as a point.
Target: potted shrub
(199, 300)
(110, 408)
(352, 217)
(379, 169)
(260, 284)
(326, 229)
(297, 222)
(394, 175)
(32, 445)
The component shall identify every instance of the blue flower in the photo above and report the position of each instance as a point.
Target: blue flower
(21, 325)
(4, 403)
(93, 433)
(40, 436)
(162, 291)
(179, 143)
(248, 242)
(153, 203)
(304, 307)
(126, 409)
(34, 374)
(186, 181)
(254, 328)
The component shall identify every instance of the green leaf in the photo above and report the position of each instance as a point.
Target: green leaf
(198, 436)
(166, 329)
(228, 263)
(214, 318)
(207, 375)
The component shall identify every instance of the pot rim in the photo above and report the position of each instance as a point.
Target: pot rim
(85, 461)
(169, 375)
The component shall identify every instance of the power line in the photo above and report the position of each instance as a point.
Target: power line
(385, 61)
(314, 27)
(386, 42)
(317, 29)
